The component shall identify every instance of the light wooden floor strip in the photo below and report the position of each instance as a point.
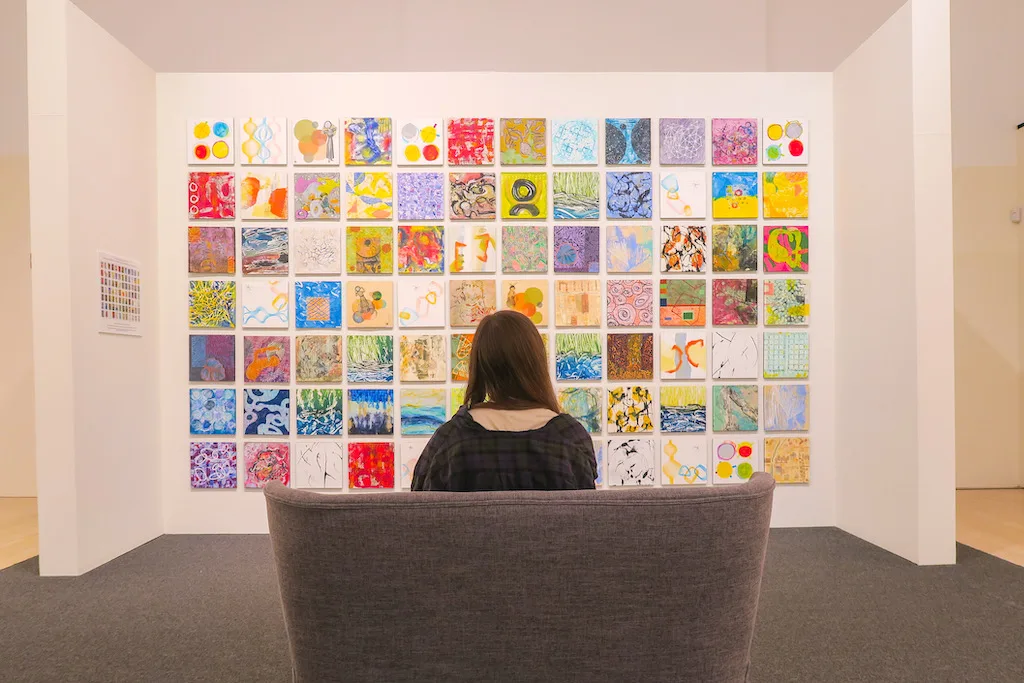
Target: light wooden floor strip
(19, 530)
(992, 520)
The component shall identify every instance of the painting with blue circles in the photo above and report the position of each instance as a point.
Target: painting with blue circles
(212, 411)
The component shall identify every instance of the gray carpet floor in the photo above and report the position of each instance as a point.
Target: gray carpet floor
(204, 608)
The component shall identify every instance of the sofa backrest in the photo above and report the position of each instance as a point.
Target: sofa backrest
(644, 584)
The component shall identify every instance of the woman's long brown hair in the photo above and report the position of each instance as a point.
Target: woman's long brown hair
(508, 365)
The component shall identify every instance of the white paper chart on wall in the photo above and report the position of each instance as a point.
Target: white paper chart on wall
(120, 300)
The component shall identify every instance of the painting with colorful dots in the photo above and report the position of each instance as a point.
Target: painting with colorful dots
(420, 142)
(524, 142)
(211, 195)
(370, 194)
(734, 195)
(368, 141)
(315, 142)
(627, 142)
(786, 249)
(733, 461)
(470, 142)
(369, 249)
(788, 459)
(631, 462)
(529, 297)
(734, 407)
(371, 465)
(734, 142)
(369, 303)
(684, 461)
(262, 141)
(420, 249)
(266, 462)
(786, 194)
(785, 142)
(574, 142)
(211, 141)
(213, 465)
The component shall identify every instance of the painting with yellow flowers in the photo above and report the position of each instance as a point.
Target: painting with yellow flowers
(630, 409)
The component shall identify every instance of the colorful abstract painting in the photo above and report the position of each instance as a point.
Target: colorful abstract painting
(420, 142)
(576, 195)
(266, 462)
(684, 461)
(472, 249)
(265, 303)
(315, 142)
(524, 142)
(368, 141)
(317, 196)
(472, 196)
(267, 411)
(528, 297)
(213, 465)
(734, 407)
(371, 411)
(369, 250)
(578, 303)
(734, 302)
(733, 461)
(524, 249)
(263, 196)
(631, 462)
(683, 194)
(735, 355)
(524, 196)
(371, 465)
(211, 196)
(584, 404)
(631, 356)
(211, 358)
(577, 356)
(630, 303)
(785, 141)
(577, 249)
(786, 194)
(627, 142)
(682, 303)
(734, 248)
(211, 141)
(212, 411)
(787, 408)
(371, 359)
(423, 411)
(734, 142)
(574, 142)
(318, 304)
(630, 194)
(263, 141)
(470, 142)
(788, 459)
(420, 196)
(684, 248)
(470, 301)
(421, 303)
(319, 412)
(629, 249)
(786, 249)
(211, 249)
(316, 249)
(422, 358)
(318, 358)
(267, 360)
(369, 303)
(421, 249)
(684, 355)
(684, 409)
(462, 345)
(734, 195)
(681, 141)
(785, 302)
(370, 195)
(319, 465)
(786, 355)
(264, 251)
(211, 304)
(411, 450)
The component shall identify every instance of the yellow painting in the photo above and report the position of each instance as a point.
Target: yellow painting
(734, 194)
(524, 141)
(524, 196)
(370, 195)
(788, 459)
(369, 249)
(785, 194)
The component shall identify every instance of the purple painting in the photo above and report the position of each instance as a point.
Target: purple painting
(681, 141)
(211, 358)
(577, 249)
(420, 196)
(213, 465)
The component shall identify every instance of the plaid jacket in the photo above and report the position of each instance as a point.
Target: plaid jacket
(464, 456)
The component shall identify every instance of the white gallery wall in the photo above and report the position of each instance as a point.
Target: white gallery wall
(405, 96)
(895, 406)
(91, 113)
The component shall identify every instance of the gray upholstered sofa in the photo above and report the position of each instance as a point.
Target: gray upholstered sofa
(620, 586)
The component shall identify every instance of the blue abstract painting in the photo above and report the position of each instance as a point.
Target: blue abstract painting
(212, 411)
(267, 411)
(627, 142)
(629, 194)
(578, 356)
(317, 304)
(574, 142)
(319, 412)
(423, 411)
(630, 249)
(420, 196)
(371, 411)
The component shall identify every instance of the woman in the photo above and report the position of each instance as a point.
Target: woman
(509, 434)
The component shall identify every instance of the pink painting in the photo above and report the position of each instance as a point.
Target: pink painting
(211, 195)
(734, 302)
(266, 462)
(630, 303)
(786, 249)
(734, 142)
(470, 142)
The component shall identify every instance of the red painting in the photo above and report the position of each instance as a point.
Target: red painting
(371, 465)
(266, 462)
(211, 195)
(470, 142)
